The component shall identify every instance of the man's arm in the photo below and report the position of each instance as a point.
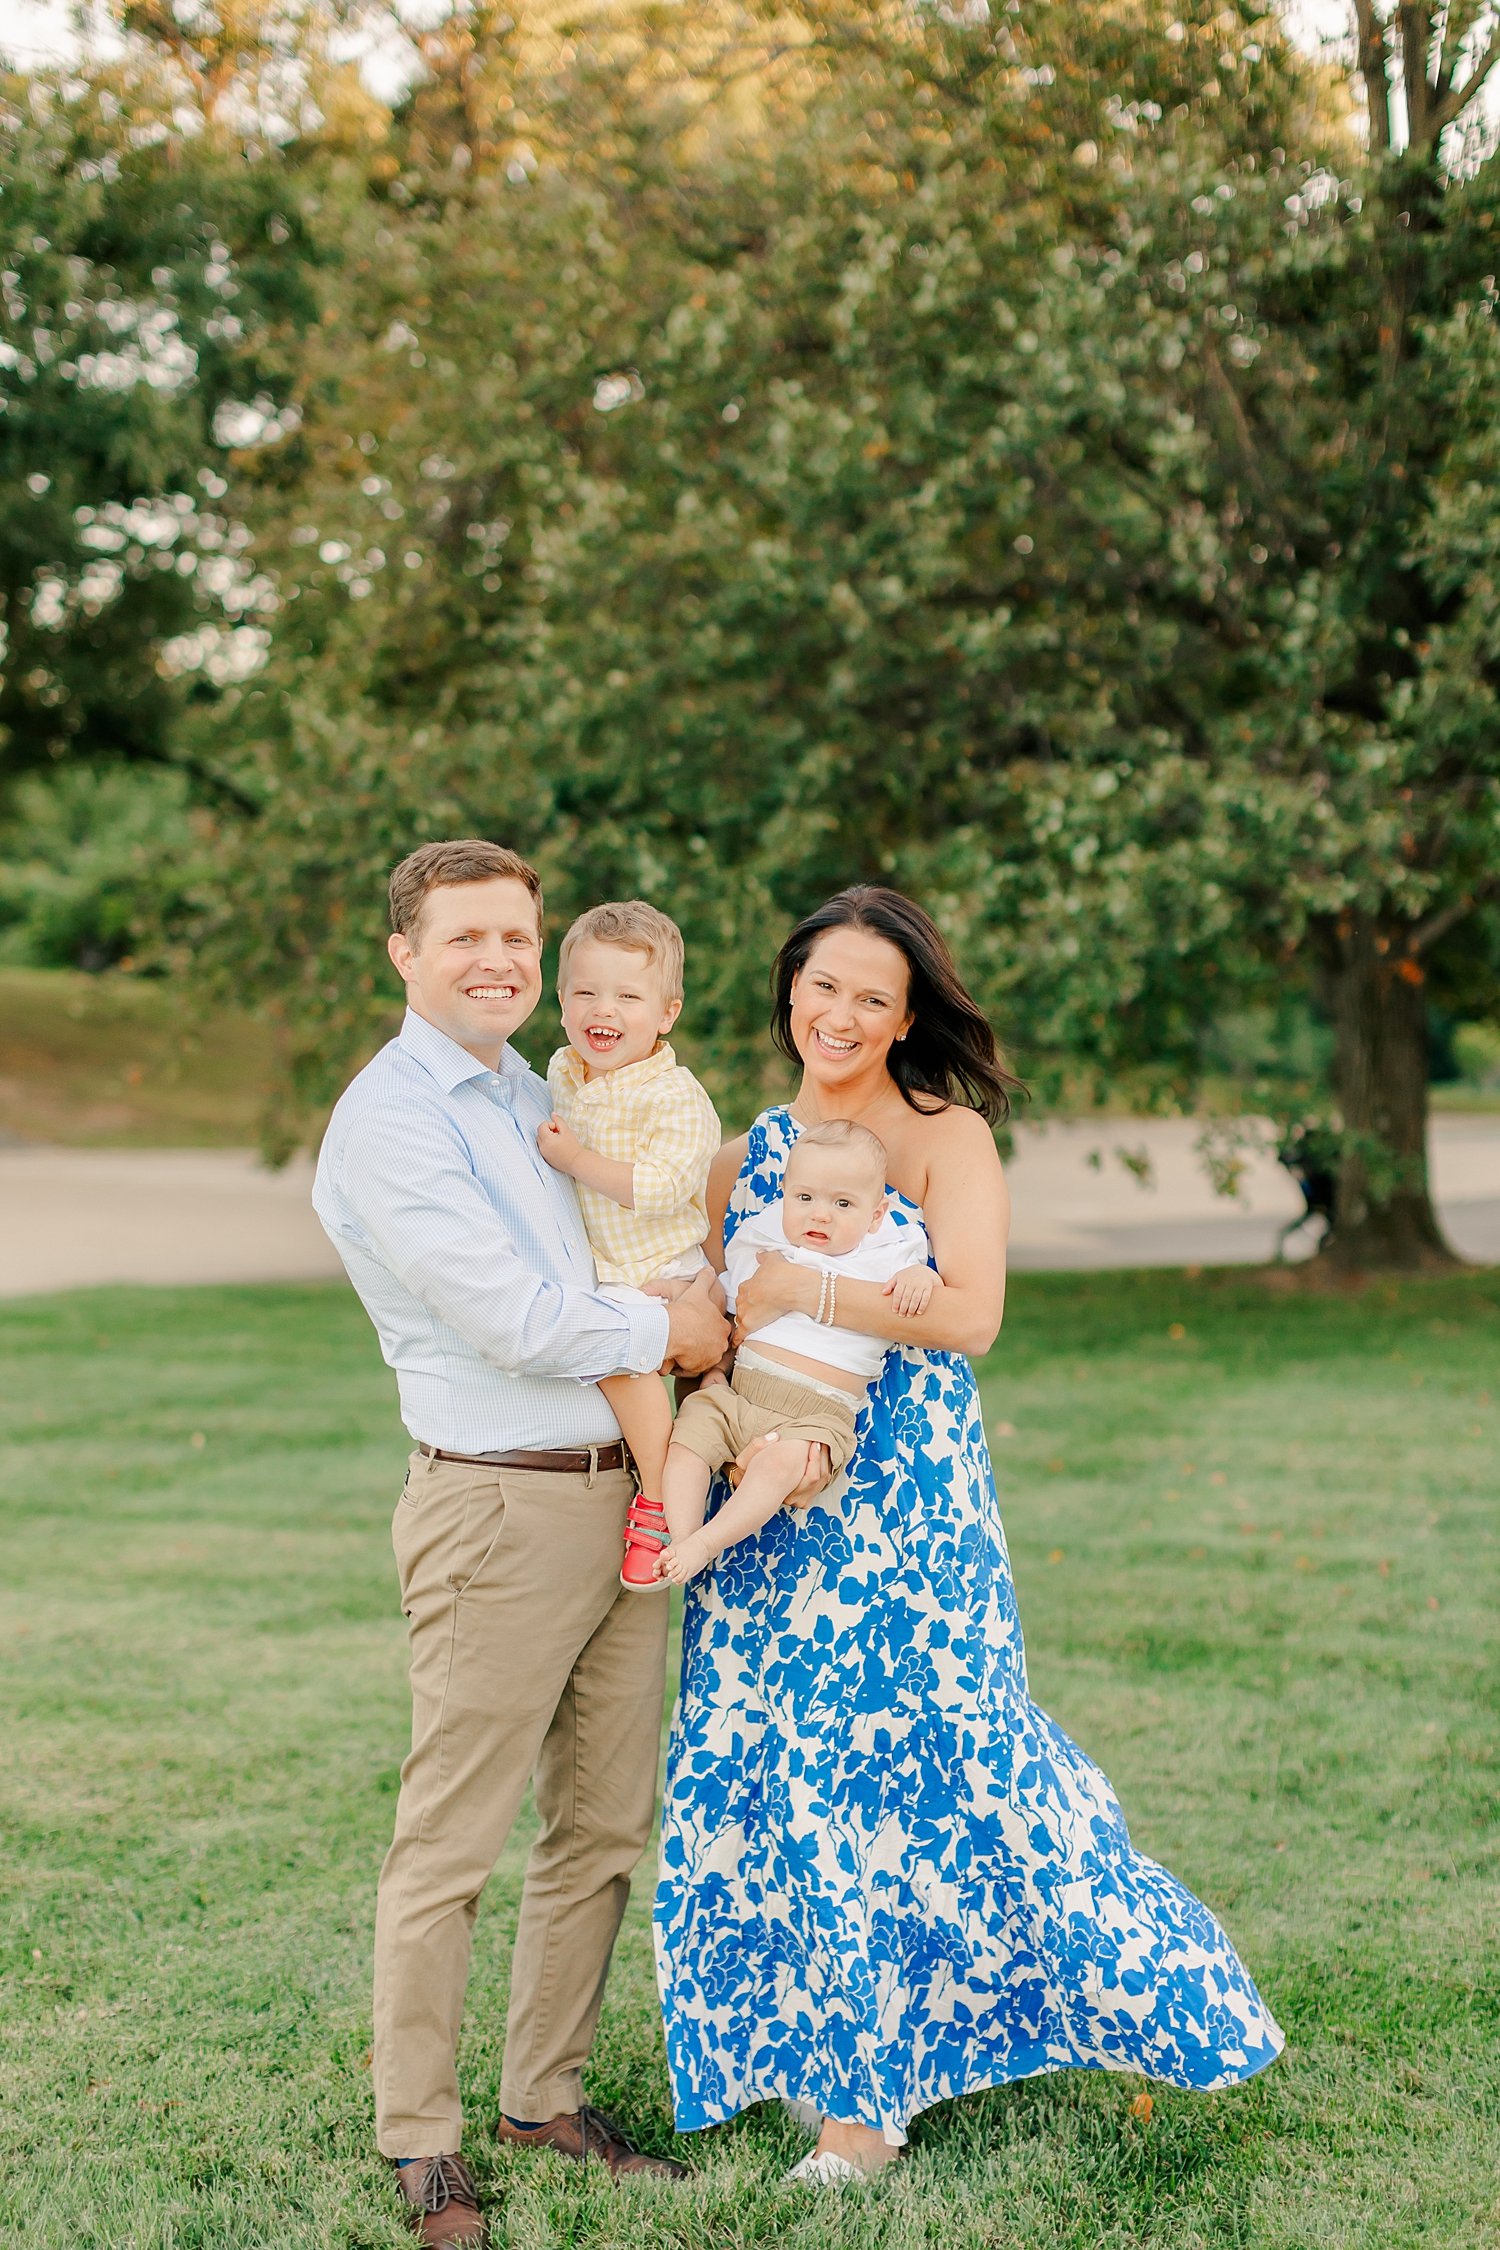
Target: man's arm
(426, 1217)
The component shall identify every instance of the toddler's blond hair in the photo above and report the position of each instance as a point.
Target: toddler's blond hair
(633, 924)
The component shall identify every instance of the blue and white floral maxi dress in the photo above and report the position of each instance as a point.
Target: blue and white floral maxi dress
(887, 1877)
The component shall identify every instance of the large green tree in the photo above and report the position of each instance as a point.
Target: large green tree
(154, 276)
(768, 479)
(1339, 332)
(1043, 460)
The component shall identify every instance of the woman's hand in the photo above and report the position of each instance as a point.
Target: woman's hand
(776, 1286)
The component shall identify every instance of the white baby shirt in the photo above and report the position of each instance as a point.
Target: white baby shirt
(891, 1248)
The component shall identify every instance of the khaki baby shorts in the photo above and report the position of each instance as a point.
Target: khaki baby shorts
(717, 1424)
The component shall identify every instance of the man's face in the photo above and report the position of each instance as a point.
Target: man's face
(475, 968)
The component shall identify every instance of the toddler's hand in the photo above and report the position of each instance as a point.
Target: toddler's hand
(559, 1144)
(912, 1290)
(683, 1560)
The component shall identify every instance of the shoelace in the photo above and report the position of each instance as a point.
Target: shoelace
(594, 2121)
(446, 2180)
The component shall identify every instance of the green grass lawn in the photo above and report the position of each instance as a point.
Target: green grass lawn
(1255, 1542)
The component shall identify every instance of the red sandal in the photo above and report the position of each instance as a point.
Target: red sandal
(645, 1536)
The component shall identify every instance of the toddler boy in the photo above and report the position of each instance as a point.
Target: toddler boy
(637, 1134)
(802, 1379)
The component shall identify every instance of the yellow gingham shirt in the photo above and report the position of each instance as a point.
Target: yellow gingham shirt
(655, 1116)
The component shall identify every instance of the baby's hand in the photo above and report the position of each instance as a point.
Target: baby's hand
(683, 1560)
(559, 1144)
(912, 1290)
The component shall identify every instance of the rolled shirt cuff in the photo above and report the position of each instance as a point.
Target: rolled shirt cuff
(650, 1319)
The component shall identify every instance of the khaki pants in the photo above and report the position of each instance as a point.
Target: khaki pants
(527, 1658)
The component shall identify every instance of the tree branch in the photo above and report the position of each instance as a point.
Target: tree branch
(1459, 97)
(1415, 25)
(1372, 71)
(1438, 925)
(1231, 399)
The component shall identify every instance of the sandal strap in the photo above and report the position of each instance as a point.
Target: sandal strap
(641, 1535)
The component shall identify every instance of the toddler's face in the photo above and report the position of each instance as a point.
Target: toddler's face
(613, 1009)
(830, 1203)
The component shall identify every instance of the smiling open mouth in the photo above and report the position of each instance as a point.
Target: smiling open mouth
(490, 991)
(601, 1039)
(831, 1046)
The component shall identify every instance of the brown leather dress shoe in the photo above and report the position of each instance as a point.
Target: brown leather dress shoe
(442, 2202)
(582, 2133)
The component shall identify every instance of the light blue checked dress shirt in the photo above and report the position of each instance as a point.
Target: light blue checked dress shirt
(469, 1254)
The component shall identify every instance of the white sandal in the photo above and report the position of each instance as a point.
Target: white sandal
(824, 2169)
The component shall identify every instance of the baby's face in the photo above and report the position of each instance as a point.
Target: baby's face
(830, 1203)
(613, 1008)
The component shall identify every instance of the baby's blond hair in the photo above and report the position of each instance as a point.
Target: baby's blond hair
(841, 1132)
(636, 926)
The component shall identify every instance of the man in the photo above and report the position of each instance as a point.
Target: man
(527, 1657)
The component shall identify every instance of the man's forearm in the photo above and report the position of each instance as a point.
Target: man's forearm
(526, 1324)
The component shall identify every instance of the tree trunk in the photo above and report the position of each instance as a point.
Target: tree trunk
(1376, 997)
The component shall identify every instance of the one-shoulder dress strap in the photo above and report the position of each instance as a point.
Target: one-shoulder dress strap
(759, 1180)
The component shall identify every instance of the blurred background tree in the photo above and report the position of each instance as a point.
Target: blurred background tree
(1042, 458)
(156, 279)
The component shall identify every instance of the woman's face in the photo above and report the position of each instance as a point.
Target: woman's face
(849, 1005)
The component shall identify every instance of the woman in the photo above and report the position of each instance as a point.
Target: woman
(887, 1877)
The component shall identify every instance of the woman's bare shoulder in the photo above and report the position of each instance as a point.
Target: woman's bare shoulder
(942, 1147)
(957, 1131)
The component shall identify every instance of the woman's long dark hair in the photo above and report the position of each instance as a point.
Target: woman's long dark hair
(949, 1054)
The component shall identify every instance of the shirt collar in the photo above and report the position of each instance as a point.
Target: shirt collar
(445, 1060)
(634, 1074)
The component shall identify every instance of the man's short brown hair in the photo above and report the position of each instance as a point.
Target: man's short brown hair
(631, 923)
(463, 859)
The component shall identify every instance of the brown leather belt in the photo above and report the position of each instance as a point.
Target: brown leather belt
(567, 1461)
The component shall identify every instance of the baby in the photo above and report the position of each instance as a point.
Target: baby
(803, 1379)
(637, 1133)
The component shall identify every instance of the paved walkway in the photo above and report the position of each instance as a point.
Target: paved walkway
(72, 1218)
(1067, 1214)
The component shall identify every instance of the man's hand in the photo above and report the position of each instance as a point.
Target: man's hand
(669, 1291)
(817, 1473)
(697, 1332)
(560, 1145)
(911, 1291)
